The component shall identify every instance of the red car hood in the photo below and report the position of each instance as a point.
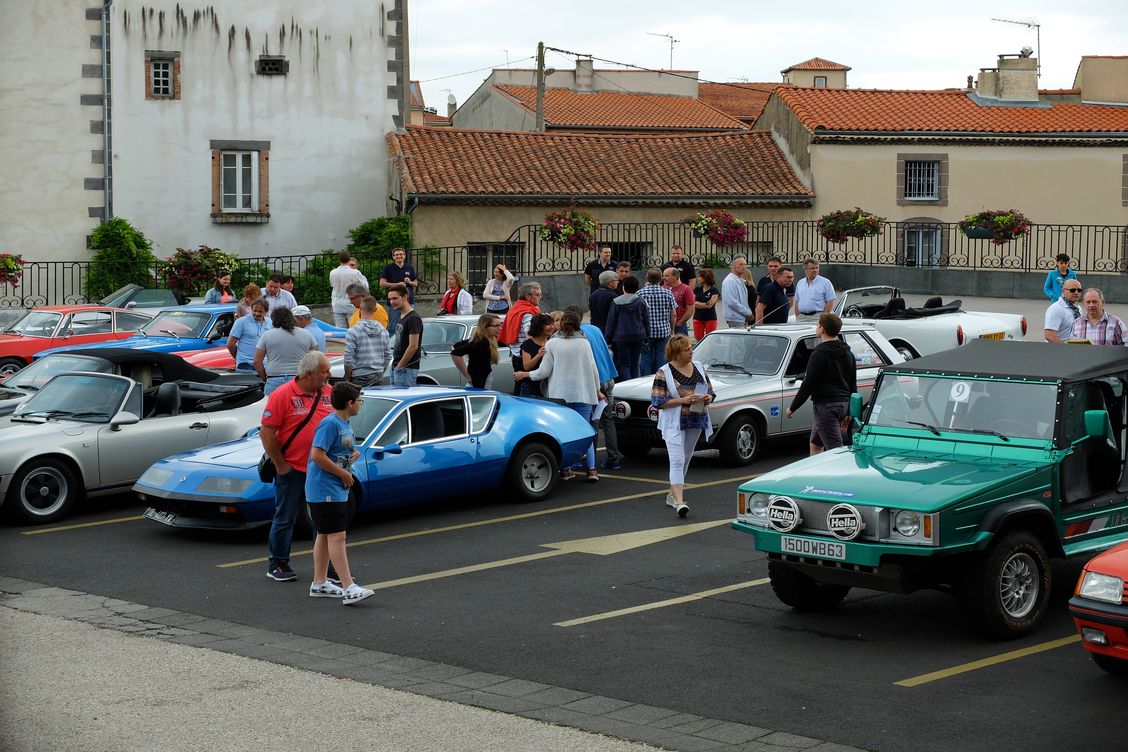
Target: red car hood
(220, 358)
(1112, 562)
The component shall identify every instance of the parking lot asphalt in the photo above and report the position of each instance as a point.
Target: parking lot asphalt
(596, 609)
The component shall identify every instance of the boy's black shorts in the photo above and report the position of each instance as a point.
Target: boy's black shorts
(329, 516)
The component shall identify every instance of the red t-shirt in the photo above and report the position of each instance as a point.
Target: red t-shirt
(683, 298)
(288, 406)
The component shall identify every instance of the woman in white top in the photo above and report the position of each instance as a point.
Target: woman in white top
(569, 366)
(457, 299)
(496, 292)
(682, 393)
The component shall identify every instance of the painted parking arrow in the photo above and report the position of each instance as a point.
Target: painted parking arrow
(603, 545)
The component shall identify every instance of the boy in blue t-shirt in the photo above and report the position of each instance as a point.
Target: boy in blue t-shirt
(327, 493)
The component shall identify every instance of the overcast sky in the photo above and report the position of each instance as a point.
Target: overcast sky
(887, 44)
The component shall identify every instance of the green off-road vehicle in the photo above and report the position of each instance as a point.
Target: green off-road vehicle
(971, 468)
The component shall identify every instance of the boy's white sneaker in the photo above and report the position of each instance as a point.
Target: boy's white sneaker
(355, 594)
(325, 590)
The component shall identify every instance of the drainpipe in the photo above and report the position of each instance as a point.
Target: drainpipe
(107, 170)
(411, 207)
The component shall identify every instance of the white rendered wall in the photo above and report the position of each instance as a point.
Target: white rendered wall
(325, 120)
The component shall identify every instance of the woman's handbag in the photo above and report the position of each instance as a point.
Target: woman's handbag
(267, 472)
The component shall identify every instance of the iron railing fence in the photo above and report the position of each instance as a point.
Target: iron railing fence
(1094, 249)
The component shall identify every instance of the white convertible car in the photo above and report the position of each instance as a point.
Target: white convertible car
(920, 324)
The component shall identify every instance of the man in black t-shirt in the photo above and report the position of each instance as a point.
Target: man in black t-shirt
(681, 263)
(406, 356)
(774, 263)
(773, 306)
(399, 272)
(594, 268)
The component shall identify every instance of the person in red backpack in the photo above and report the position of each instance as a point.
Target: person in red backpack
(515, 328)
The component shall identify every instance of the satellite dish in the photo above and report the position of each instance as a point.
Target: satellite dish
(1026, 52)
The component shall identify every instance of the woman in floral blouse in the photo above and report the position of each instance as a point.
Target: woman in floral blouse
(682, 393)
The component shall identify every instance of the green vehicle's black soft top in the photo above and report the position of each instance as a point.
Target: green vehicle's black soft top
(1037, 361)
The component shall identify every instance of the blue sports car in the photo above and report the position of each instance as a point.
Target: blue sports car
(174, 330)
(414, 444)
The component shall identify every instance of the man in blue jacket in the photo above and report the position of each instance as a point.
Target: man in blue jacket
(1057, 277)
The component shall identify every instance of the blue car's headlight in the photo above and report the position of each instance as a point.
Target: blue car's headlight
(155, 477)
(227, 486)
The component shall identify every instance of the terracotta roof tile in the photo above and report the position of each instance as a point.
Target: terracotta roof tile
(816, 63)
(743, 167)
(564, 108)
(744, 101)
(943, 111)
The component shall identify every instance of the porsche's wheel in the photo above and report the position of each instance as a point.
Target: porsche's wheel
(801, 592)
(740, 440)
(8, 366)
(43, 490)
(532, 472)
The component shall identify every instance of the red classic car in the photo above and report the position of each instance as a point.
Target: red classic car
(56, 326)
(220, 359)
(1100, 609)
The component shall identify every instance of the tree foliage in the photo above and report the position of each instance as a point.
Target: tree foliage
(123, 255)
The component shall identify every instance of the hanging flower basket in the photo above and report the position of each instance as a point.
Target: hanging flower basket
(838, 226)
(573, 228)
(11, 269)
(719, 226)
(999, 225)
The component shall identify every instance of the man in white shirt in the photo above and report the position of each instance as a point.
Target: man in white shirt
(339, 280)
(1063, 312)
(734, 296)
(814, 294)
(275, 295)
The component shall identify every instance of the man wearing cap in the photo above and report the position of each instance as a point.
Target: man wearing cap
(304, 317)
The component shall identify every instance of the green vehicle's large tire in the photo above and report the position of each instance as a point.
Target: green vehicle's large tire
(1007, 592)
(800, 591)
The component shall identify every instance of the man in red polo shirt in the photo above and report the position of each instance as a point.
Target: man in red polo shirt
(287, 408)
(683, 298)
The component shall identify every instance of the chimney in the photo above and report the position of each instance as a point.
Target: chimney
(1015, 80)
(452, 105)
(585, 74)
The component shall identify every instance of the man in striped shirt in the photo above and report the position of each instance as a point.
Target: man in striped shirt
(1098, 327)
(660, 301)
(368, 349)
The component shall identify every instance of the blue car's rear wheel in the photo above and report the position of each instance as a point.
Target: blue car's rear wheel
(44, 490)
(532, 472)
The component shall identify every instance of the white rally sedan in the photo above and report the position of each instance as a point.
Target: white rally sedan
(920, 324)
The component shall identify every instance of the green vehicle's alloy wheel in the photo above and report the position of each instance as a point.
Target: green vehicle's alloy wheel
(800, 591)
(1006, 593)
(740, 440)
(42, 491)
(532, 472)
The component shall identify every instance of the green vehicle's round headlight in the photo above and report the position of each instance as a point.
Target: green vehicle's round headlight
(907, 523)
(758, 505)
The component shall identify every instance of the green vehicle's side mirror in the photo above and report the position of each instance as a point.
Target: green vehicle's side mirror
(856, 407)
(1096, 424)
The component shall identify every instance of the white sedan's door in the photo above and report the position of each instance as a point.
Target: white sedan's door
(124, 454)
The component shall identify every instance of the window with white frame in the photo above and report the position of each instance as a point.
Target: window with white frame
(922, 180)
(820, 82)
(162, 78)
(239, 180)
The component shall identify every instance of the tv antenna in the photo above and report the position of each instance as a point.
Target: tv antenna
(672, 43)
(1037, 39)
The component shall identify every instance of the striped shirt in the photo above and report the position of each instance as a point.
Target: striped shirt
(368, 349)
(661, 303)
(1109, 330)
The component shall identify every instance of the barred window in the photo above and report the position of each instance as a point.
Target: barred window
(162, 78)
(922, 180)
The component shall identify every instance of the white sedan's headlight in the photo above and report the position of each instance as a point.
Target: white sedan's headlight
(907, 523)
(155, 477)
(228, 486)
(1101, 587)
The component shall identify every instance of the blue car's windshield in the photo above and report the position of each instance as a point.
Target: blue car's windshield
(182, 324)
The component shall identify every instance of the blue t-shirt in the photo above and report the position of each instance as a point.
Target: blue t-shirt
(318, 334)
(247, 331)
(335, 437)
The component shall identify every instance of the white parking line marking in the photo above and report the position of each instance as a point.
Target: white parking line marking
(661, 604)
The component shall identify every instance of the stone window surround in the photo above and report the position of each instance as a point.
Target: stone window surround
(262, 215)
(919, 223)
(942, 184)
(163, 56)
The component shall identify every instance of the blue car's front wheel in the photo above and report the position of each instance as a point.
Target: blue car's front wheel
(532, 472)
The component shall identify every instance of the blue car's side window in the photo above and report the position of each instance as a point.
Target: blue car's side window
(481, 410)
(396, 433)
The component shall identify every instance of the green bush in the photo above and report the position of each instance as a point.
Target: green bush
(377, 237)
(123, 255)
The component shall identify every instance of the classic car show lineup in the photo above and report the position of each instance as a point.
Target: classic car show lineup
(972, 459)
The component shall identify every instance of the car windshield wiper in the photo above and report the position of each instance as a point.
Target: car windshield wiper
(733, 366)
(12, 331)
(984, 431)
(935, 431)
(48, 414)
(169, 332)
